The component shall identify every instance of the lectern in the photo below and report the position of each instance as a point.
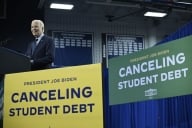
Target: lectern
(10, 62)
(13, 62)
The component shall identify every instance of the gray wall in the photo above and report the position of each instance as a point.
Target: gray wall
(152, 30)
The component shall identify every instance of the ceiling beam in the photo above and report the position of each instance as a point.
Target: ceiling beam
(113, 4)
(139, 4)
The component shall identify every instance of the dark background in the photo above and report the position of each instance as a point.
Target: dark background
(15, 24)
(16, 15)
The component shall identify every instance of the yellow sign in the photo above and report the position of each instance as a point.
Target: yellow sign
(68, 97)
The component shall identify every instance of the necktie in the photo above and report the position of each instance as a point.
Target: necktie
(34, 44)
(36, 41)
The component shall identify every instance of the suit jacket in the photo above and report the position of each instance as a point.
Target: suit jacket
(43, 54)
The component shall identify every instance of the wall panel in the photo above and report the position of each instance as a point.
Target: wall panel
(69, 21)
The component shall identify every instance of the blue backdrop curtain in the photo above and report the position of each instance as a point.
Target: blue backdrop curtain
(173, 112)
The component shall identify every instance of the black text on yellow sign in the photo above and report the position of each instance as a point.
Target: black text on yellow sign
(52, 95)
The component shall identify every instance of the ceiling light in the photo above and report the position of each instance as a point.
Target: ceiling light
(155, 14)
(61, 6)
(183, 2)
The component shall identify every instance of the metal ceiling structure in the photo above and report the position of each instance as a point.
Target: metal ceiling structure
(111, 9)
(138, 7)
(114, 10)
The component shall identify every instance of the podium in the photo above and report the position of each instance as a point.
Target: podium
(10, 62)
(13, 62)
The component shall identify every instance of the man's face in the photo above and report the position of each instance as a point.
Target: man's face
(36, 29)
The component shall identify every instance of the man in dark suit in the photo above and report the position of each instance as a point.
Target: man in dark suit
(41, 50)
